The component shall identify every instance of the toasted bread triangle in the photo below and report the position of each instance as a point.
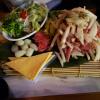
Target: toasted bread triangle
(30, 66)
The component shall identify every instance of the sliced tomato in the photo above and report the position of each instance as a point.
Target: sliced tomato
(42, 41)
(68, 53)
(23, 14)
(42, 47)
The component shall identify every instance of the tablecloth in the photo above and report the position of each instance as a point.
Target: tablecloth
(51, 85)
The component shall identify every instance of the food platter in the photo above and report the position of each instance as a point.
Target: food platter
(69, 40)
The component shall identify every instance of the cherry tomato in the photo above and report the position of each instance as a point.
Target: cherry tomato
(23, 14)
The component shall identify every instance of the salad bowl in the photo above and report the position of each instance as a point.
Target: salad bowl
(9, 29)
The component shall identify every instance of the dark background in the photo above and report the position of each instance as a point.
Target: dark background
(90, 4)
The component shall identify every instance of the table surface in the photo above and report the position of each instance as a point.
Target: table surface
(86, 96)
(48, 86)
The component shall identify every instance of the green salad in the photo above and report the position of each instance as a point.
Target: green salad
(20, 22)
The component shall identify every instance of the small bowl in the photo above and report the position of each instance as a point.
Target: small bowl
(29, 34)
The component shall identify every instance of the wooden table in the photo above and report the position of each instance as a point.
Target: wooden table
(86, 96)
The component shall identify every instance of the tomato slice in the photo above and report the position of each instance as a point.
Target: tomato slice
(42, 40)
(23, 14)
(42, 47)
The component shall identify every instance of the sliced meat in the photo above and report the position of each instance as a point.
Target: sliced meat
(85, 48)
(67, 53)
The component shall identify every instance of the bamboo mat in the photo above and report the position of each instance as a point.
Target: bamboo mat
(88, 69)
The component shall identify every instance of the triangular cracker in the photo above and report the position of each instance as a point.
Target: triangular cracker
(30, 66)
